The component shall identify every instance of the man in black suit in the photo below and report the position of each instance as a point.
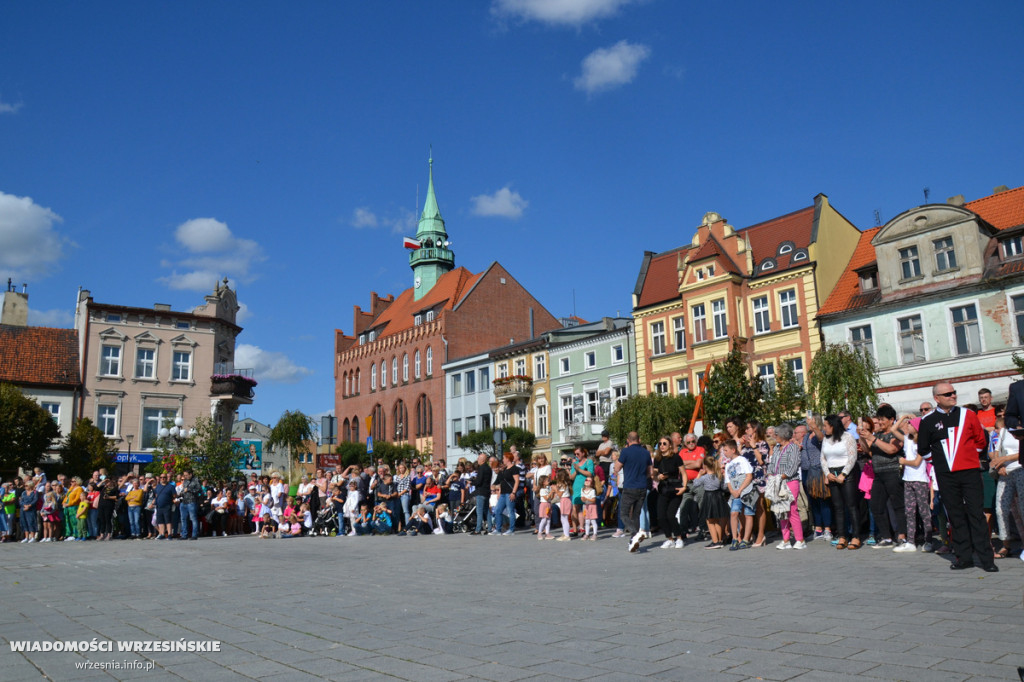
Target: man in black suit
(1014, 409)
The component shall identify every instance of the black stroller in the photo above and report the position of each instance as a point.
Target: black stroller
(464, 520)
(326, 522)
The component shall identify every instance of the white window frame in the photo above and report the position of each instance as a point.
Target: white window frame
(679, 333)
(720, 315)
(618, 354)
(945, 252)
(1018, 314)
(762, 315)
(909, 261)
(53, 409)
(417, 319)
(591, 403)
(485, 378)
(430, 361)
(456, 386)
(520, 367)
(699, 320)
(181, 372)
(620, 392)
(767, 377)
(658, 338)
(540, 366)
(797, 372)
(1012, 247)
(469, 385)
(383, 374)
(430, 316)
(394, 370)
(590, 359)
(683, 386)
(416, 364)
(405, 367)
(661, 387)
(910, 315)
(952, 329)
(110, 365)
(373, 377)
(563, 366)
(870, 345)
(788, 309)
(540, 419)
(149, 364)
(502, 370)
(565, 408)
(105, 418)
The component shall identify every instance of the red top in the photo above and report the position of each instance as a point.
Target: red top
(695, 455)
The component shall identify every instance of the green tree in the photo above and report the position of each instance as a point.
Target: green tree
(293, 432)
(731, 391)
(353, 453)
(207, 453)
(85, 449)
(26, 429)
(390, 453)
(483, 441)
(651, 416)
(1018, 362)
(843, 378)
(787, 402)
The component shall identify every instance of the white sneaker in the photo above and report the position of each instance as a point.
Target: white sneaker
(1022, 556)
(71, 539)
(32, 539)
(668, 544)
(24, 540)
(827, 536)
(634, 544)
(783, 545)
(905, 547)
(680, 544)
(800, 545)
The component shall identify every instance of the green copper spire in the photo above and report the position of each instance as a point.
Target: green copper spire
(433, 258)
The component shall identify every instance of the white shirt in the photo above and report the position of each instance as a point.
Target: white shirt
(918, 474)
(1008, 445)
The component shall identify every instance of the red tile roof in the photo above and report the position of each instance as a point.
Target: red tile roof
(765, 237)
(847, 294)
(662, 281)
(39, 356)
(1003, 210)
(448, 291)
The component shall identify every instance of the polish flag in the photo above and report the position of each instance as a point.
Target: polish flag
(410, 243)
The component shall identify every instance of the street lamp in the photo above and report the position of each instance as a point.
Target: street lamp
(499, 434)
(128, 437)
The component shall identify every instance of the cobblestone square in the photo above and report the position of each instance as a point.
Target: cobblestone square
(506, 608)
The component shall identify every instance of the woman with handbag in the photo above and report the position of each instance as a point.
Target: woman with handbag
(671, 481)
(785, 463)
(839, 462)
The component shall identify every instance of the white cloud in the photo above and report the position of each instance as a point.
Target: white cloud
(364, 217)
(243, 313)
(399, 222)
(504, 203)
(558, 12)
(6, 108)
(29, 245)
(269, 365)
(609, 67)
(50, 318)
(213, 252)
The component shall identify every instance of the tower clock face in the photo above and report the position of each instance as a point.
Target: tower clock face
(416, 282)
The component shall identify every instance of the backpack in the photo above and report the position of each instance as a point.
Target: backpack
(598, 486)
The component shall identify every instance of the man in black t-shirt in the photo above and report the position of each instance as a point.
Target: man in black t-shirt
(482, 492)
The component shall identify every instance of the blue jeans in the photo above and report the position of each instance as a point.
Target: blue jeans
(134, 514)
(406, 509)
(4, 523)
(29, 521)
(188, 514)
(92, 522)
(504, 511)
(482, 513)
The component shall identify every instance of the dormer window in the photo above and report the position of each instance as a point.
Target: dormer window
(700, 274)
(113, 317)
(362, 339)
(430, 316)
(910, 265)
(1012, 247)
(784, 248)
(418, 319)
(711, 271)
(945, 254)
(799, 255)
(869, 280)
(766, 265)
(373, 335)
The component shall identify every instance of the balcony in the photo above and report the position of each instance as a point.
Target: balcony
(237, 384)
(513, 388)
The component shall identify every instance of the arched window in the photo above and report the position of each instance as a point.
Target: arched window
(373, 378)
(416, 363)
(430, 361)
(405, 366)
(400, 416)
(424, 417)
(379, 426)
(394, 371)
(348, 384)
(383, 375)
(358, 387)
(355, 429)
(346, 431)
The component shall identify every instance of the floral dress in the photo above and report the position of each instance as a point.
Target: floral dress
(750, 453)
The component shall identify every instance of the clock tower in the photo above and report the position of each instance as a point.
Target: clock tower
(433, 258)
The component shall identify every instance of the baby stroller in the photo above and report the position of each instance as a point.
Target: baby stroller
(464, 520)
(326, 522)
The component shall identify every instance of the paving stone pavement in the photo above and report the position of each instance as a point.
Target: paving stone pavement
(507, 608)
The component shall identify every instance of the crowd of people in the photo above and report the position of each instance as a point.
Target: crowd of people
(941, 481)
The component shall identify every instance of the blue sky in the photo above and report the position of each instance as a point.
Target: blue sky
(147, 149)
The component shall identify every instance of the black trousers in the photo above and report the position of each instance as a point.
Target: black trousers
(668, 508)
(632, 499)
(845, 498)
(888, 487)
(964, 498)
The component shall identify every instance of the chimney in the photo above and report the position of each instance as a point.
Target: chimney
(162, 307)
(15, 306)
(958, 200)
(999, 189)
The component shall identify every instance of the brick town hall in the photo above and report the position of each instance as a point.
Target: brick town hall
(390, 366)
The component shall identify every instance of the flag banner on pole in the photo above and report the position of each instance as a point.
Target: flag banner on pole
(411, 243)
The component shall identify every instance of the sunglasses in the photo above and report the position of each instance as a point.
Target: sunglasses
(664, 443)
(948, 394)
